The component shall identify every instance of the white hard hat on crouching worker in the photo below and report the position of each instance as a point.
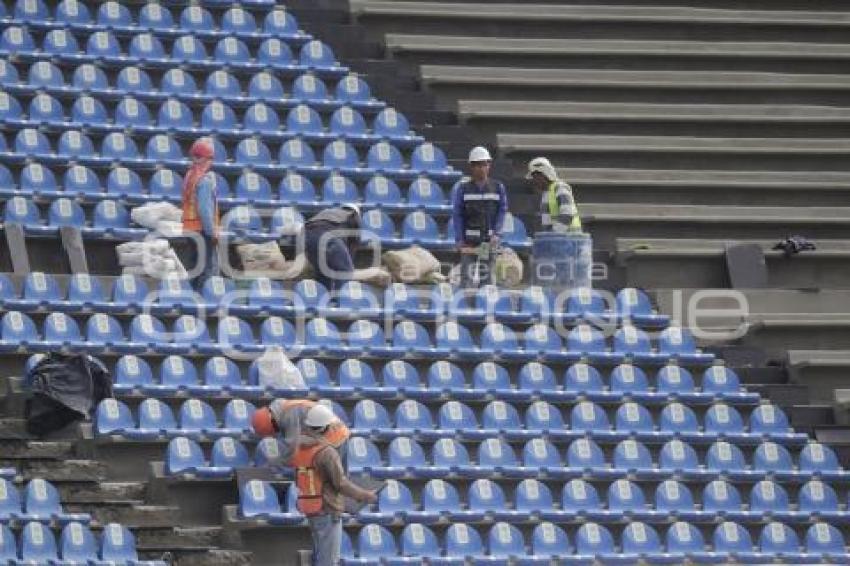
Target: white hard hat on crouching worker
(543, 166)
(352, 207)
(319, 417)
(479, 153)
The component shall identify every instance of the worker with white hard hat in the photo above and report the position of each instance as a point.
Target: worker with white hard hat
(331, 238)
(558, 211)
(480, 204)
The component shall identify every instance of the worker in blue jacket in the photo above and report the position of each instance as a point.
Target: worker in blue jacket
(480, 204)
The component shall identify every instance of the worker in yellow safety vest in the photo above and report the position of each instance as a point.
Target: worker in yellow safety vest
(558, 210)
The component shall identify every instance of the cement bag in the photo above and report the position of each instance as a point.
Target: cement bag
(261, 257)
(149, 215)
(411, 265)
(169, 228)
(275, 370)
(152, 246)
(298, 268)
(508, 268)
(377, 276)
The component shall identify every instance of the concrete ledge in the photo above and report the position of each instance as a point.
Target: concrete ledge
(717, 214)
(669, 247)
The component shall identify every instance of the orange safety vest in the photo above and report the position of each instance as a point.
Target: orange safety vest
(191, 217)
(337, 432)
(307, 479)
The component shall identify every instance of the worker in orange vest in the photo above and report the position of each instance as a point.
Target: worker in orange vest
(200, 213)
(322, 483)
(287, 417)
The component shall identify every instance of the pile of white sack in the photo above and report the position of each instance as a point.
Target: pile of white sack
(154, 258)
(162, 217)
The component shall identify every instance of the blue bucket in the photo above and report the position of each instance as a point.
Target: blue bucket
(562, 260)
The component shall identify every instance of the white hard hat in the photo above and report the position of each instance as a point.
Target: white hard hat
(479, 153)
(319, 417)
(353, 207)
(541, 165)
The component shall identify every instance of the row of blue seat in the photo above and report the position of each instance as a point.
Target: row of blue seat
(228, 86)
(295, 154)
(77, 545)
(105, 48)
(215, 118)
(40, 503)
(85, 184)
(531, 499)
(594, 543)
(120, 18)
(451, 341)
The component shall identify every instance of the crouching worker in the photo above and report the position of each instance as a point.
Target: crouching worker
(288, 419)
(330, 239)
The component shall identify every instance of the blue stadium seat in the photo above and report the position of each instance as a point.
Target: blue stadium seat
(184, 457)
(258, 500)
(147, 48)
(584, 454)
(308, 87)
(428, 159)
(198, 420)
(238, 21)
(463, 542)
(768, 497)
(501, 417)
(731, 538)
(628, 379)
(634, 418)
(674, 380)
(819, 459)
(492, 378)
(155, 17)
(684, 539)
(31, 11)
(420, 228)
(824, 540)
(16, 39)
(38, 544)
(427, 194)
(438, 498)
(542, 340)
(768, 420)
(17, 330)
(594, 540)
(779, 540)
(496, 455)
(113, 15)
(341, 155)
(41, 503)
(280, 22)
(84, 292)
(188, 49)
(130, 113)
(677, 418)
(265, 86)
(348, 123)
(156, 420)
(196, 19)
(817, 498)
(88, 77)
(540, 454)
(317, 55)
(723, 419)
(132, 80)
(405, 456)
(338, 190)
(772, 457)
(677, 342)
(80, 180)
(457, 340)
(541, 416)
(505, 541)
(417, 542)
(625, 496)
(269, 452)
(113, 417)
(549, 541)
(220, 374)
(413, 416)
(10, 109)
(537, 378)
(131, 372)
(176, 374)
(40, 290)
(310, 295)
(260, 118)
(73, 12)
(177, 82)
(119, 147)
(721, 497)
(118, 544)
(675, 498)
(77, 544)
(446, 376)
(276, 331)
(231, 51)
(295, 188)
(296, 153)
(74, 145)
(220, 84)
(61, 332)
(394, 501)
(632, 303)
(228, 453)
(147, 331)
(242, 219)
(587, 341)
(450, 456)
(41, 74)
(32, 143)
(586, 302)
(275, 53)
(60, 42)
(363, 455)
(383, 192)
(372, 418)
(386, 158)
(373, 544)
(65, 212)
(720, 380)
(103, 45)
(236, 334)
(378, 225)
(8, 546)
(587, 416)
(390, 123)
(634, 456)
(725, 457)
(34, 178)
(353, 89)
(286, 221)
(458, 417)
(356, 376)
(163, 148)
(324, 335)
(128, 292)
(175, 115)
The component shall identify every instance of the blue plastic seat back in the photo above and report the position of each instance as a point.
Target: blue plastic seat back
(60, 42)
(767, 419)
(363, 453)
(532, 496)
(673, 496)
(428, 158)
(154, 16)
(720, 379)
(310, 294)
(132, 370)
(278, 332)
(112, 14)
(265, 86)
(146, 46)
(40, 287)
(242, 219)
(634, 417)
(549, 539)
(540, 415)
(677, 417)
(295, 153)
(674, 379)
(585, 340)
(234, 332)
(424, 192)
(109, 214)
(261, 118)
(113, 416)
(257, 498)
(10, 108)
(823, 538)
(485, 495)
(216, 290)
(30, 11)
(542, 338)
(400, 374)
(7, 289)
(640, 538)
(183, 455)
(177, 82)
(156, 415)
(411, 335)
(295, 188)
(369, 415)
(631, 302)
(132, 80)
(683, 538)
(463, 540)
(732, 537)
(339, 189)
(588, 416)
(419, 540)
(632, 455)
(174, 114)
(383, 156)
(31, 142)
(345, 121)
(59, 327)
(445, 375)
(196, 18)
(439, 495)
(74, 144)
(505, 540)
(103, 44)
(190, 330)
(535, 376)
(582, 378)
(321, 332)
(118, 544)
(238, 21)
(455, 415)
(131, 113)
(413, 415)
(449, 452)
(375, 541)
(453, 336)
(627, 378)
(767, 496)
(676, 340)
(391, 123)
(220, 84)
(317, 55)
(147, 329)
(238, 413)
(585, 301)
(286, 220)
(42, 74)
(264, 292)
(496, 336)
(251, 151)
(377, 225)
(624, 495)
(420, 226)
(778, 538)
(81, 180)
(719, 495)
(197, 416)
(269, 451)
(723, 456)
(303, 119)
(406, 453)
(499, 415)
(89, 77)
(817, 496)
(584, 454)
(540, 453)
(189, 49)
(279, 21)
(772, 457)
(395, 497)
(41, 499)
(129, 290)
(677, 455)
(228, 453)
(16, 39)
(818, 457)
(77, 543)
(722, 418)
(274, 53)
(119, 147)
(340, 154)
(490, 376)
(231, 51)
(38, 545)
(10, 501)
(352, 88)
(594, 539)
(18, 327)
(73, 12)
(495, 452)
(631, 340)
(309, 87)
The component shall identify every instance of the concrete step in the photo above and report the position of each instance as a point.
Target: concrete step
(36, 450)
(104, 493)
(133, 516)
(823, 371)
(77, 471)
(216, 557)
(157, 538)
